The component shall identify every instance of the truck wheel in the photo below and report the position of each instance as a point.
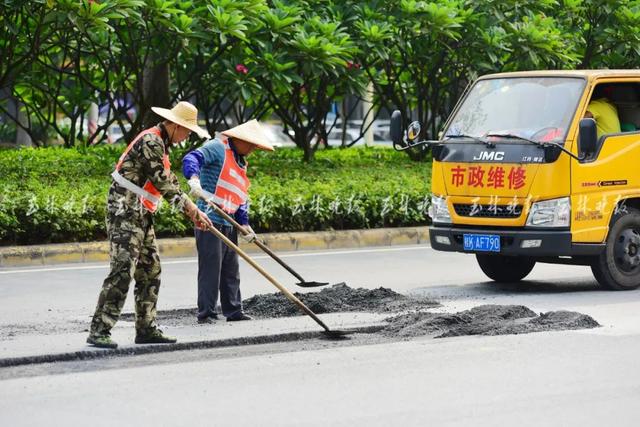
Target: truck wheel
(618, 266)
(505, 268)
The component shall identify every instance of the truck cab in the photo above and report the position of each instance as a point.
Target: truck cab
(524, 172)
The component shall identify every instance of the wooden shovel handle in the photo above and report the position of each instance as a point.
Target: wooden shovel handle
(260, 244)
(269, 277)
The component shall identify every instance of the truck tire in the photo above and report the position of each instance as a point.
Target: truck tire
(618, 266)
(505, 268)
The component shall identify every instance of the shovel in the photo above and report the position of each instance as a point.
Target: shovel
(329, 332)
(303, 283)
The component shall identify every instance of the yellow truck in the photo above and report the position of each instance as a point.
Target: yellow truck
(525, 172)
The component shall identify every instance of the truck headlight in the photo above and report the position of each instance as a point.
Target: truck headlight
(550, 213)
(439, 211)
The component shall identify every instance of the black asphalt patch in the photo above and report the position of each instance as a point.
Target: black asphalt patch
(481, 320)
(97, 353)
(336, 299)
(485, 320)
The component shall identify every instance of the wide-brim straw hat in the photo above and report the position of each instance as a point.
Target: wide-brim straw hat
(251, 132)
(183, 114)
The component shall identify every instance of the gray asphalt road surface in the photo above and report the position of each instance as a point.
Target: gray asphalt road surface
(569, 378)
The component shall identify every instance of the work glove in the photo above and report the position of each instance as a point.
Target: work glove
(196, 188)
(250, 235)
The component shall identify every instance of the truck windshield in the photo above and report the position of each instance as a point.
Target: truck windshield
(536, 108)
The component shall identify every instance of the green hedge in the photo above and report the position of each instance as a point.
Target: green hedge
(58, 195)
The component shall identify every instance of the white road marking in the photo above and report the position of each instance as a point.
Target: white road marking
(195, 260)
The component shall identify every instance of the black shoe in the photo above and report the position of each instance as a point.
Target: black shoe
(239, 317)
(209, 319)
(153, 336)
(102, 341)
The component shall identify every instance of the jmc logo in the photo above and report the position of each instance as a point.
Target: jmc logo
(490, 156)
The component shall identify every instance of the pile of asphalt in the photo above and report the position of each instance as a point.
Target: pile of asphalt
(485, 320)
(414, 319)
(338, 298)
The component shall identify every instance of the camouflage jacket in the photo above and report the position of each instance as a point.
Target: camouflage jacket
(145, 162)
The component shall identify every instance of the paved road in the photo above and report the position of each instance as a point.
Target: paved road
(44, 294)
(581, 378)
(551, 379)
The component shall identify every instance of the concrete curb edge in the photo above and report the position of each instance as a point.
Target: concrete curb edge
(63, 253)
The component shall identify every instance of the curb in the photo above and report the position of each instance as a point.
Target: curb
(64, 253)
(166, 348)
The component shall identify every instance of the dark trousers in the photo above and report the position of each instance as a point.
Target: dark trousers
(218, 271)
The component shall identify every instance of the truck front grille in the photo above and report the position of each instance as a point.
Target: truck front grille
(488, 211)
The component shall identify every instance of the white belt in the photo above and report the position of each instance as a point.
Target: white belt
(122, 181)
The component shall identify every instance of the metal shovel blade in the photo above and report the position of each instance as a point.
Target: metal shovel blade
(311, 284)
(316, 284)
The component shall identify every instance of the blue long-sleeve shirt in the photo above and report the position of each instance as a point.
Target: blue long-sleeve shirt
(206, 162)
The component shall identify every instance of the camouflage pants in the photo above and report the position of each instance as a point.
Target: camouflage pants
(134, 254)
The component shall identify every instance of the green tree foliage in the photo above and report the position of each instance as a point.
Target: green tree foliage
(238, 59)
(606, 32)
(211, 69)
(302, 61)
(421, 55)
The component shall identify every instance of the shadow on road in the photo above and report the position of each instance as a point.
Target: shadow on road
(543, 286)
(490, 289)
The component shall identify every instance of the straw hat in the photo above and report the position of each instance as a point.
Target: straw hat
(183, 114)
(251, 132)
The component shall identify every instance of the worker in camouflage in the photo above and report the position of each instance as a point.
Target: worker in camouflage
(141, 178)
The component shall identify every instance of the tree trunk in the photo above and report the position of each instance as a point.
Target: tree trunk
(308, 153)
(92, 123)
(343, 116)
(156, 90)
(303, 142)
(23, 139)
(70, 139)
(367, 115)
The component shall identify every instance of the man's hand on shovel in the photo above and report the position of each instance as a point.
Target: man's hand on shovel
(202, 221)
(194, 184)
(199, 218)
(248, 234)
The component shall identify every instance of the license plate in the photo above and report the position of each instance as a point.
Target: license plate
(481, 242)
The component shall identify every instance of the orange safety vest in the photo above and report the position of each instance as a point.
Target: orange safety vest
(232, 188)
(150, 197)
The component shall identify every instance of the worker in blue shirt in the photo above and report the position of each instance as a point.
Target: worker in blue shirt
(218, 170)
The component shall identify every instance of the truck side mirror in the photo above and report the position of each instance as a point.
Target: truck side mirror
(588, 136)
(395, 127)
